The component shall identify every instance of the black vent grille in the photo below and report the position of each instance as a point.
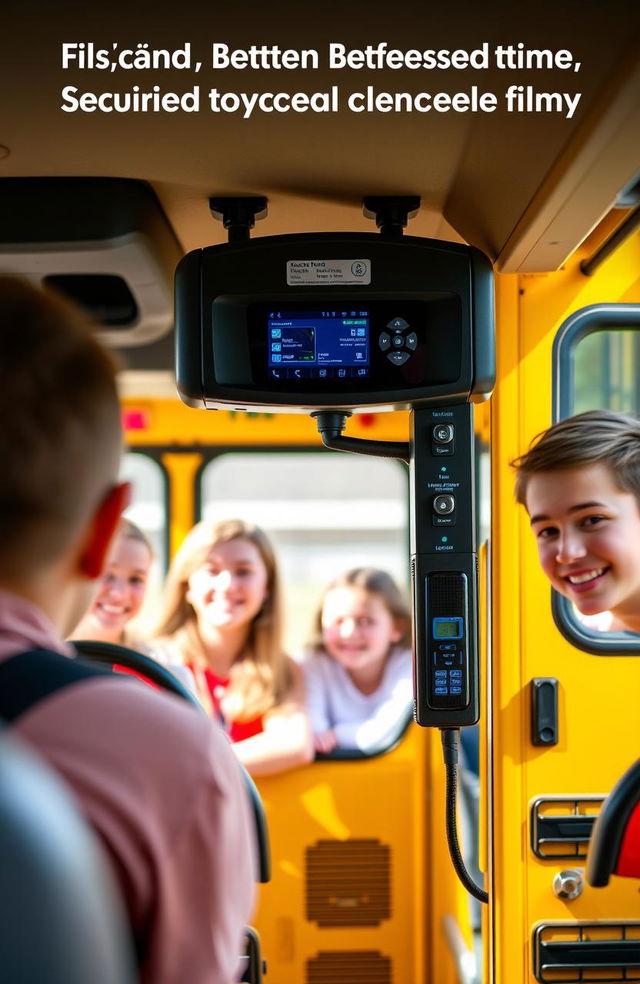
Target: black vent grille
(352, 967)
(561, 826)
(348, 883)
(597, 953)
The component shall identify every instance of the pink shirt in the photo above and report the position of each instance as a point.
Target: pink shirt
(161, 786)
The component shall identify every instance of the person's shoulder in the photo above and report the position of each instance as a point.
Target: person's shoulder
(400, 658)
(317, 663)
(399, 668)
(148, 722)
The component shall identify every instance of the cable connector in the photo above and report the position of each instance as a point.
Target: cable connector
(450, 743)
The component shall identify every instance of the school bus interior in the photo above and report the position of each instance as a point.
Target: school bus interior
(104, 205)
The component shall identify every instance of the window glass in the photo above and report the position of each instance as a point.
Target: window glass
(606, 371)
(148, 510)
(326, 512)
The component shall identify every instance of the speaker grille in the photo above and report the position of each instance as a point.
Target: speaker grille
(348, 882)
(354, 967)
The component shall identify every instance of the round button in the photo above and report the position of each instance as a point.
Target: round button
(443, 433)
(398, 341)
(443, 505)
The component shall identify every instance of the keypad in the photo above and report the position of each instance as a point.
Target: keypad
(396, 342)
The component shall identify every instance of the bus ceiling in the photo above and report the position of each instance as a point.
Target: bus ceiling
(525, 183)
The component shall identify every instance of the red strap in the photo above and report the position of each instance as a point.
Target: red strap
(629, 860)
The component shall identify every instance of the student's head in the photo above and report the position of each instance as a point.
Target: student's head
(60, 441)
(225, 578)
(223, 575)
(363, 614)
(580, 484)
(122, 588)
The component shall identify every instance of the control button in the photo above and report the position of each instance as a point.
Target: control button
(397, 324)
(384, 340)
(440, 690)
(444, 504)
(398, 341)
(456, 690)
(411, 341)
(455, 674)
(398, 358)
(443, 433)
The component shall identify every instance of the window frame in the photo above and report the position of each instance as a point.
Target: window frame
(579, 324)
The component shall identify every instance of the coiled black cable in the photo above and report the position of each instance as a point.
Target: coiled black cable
(450, 742)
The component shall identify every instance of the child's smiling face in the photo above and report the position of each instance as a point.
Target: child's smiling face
(588, 535)
(358, 629)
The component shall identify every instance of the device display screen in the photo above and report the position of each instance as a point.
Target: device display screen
(318, 344)
(447, 628)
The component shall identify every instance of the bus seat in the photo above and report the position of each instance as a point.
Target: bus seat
(614, 848)
(61, 918)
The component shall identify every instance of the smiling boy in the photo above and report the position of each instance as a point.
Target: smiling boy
(580, 484)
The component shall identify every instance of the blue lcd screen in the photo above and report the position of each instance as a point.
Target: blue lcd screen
(447, 628)
(319, 344)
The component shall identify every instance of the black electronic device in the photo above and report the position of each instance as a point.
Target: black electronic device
(444, 566)
(340, 323)
(311, 322)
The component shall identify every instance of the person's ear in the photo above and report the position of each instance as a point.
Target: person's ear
(397, 633)
(103, 527)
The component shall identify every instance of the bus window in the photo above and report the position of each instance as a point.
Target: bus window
(149, 511)
(326, 512)
(597, 366)
(606, 372)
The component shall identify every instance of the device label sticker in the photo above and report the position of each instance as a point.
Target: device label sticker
(328, 272)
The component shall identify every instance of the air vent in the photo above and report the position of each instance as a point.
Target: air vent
(107, 299)
(574, 953)
(561, 825)
(348, 882)
(104, 242)
(352, 967)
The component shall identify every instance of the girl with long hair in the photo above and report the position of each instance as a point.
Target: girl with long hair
(358, 668)
(221, 617)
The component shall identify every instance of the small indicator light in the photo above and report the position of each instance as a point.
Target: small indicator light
(444, 539)
(443, 469)
(135, 419)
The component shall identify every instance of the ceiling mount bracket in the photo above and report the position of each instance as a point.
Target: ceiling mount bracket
(391, 212)
(238, 215)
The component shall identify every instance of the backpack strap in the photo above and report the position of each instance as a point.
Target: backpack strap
(29, 677)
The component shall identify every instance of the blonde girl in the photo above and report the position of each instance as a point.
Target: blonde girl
(221, 617)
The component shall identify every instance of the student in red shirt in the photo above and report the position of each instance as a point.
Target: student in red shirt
(221, 617)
